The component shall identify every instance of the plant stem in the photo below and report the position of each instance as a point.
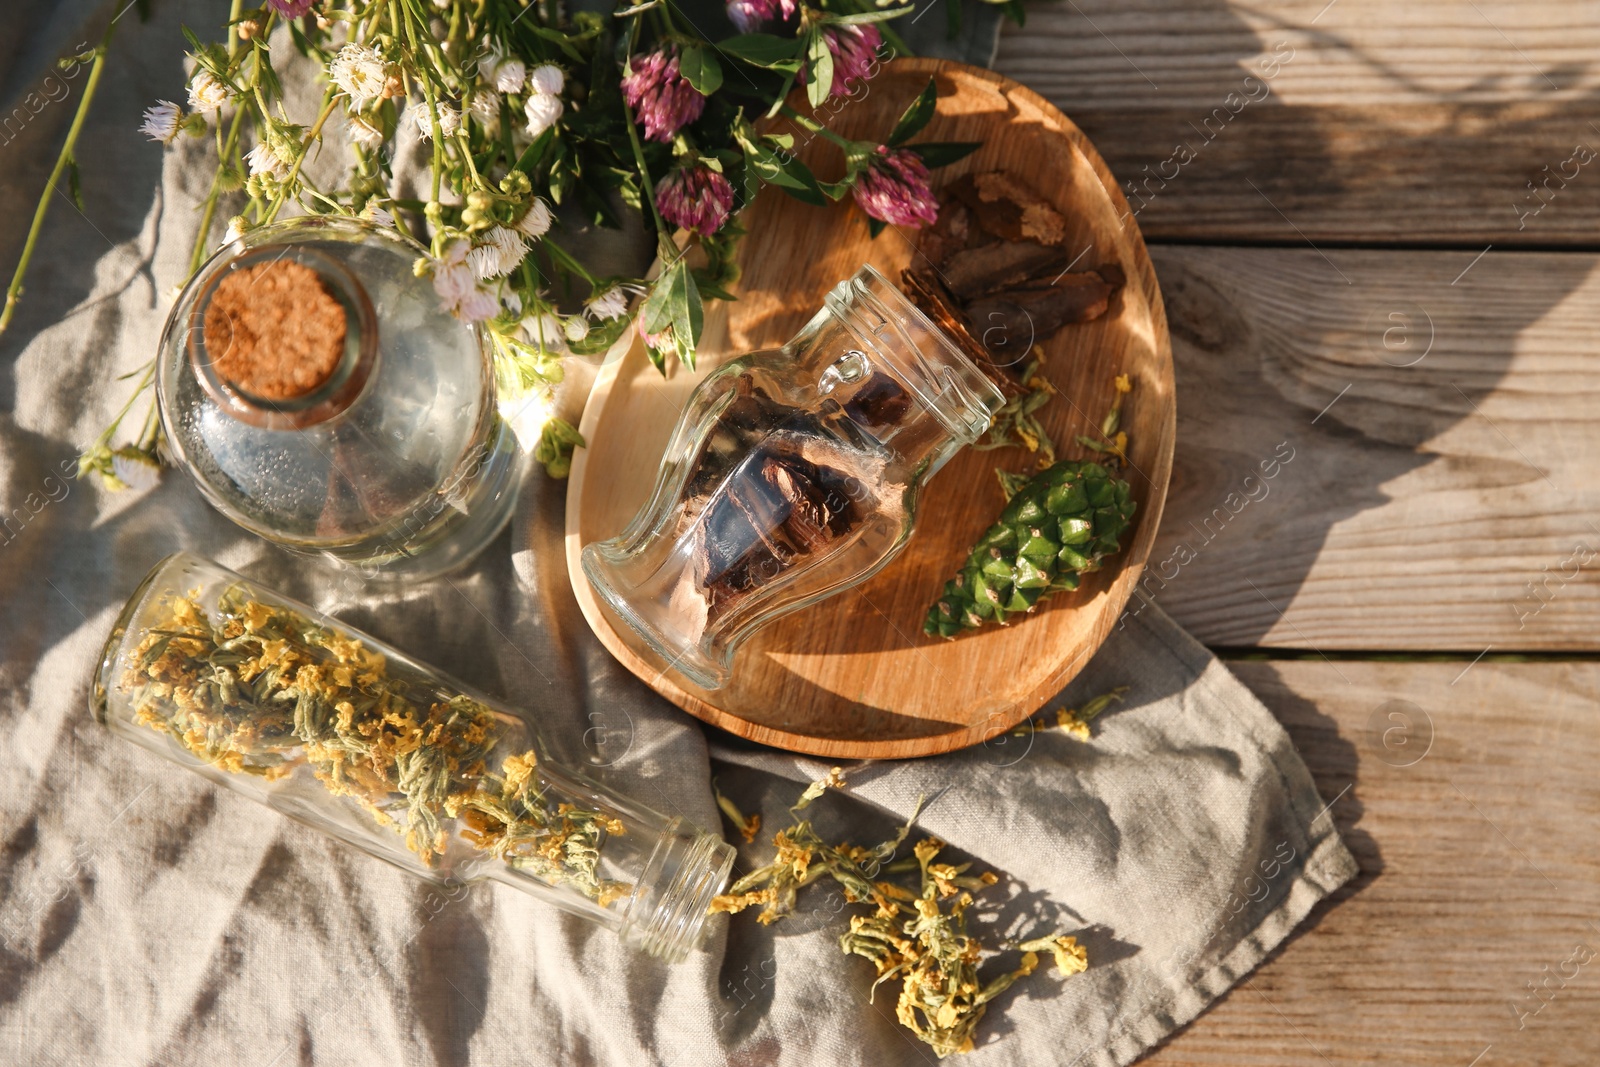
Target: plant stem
(561, 256)
(209, 213)
(814, 126)
(328, 100)
(14, 291)
(646, 187)
(433, 111)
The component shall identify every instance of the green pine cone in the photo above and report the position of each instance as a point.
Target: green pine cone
(1061, 523)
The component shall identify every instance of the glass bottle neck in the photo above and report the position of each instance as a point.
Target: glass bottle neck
(336, 391)
(896, 332)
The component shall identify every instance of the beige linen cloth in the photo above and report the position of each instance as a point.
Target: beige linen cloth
(147, 918)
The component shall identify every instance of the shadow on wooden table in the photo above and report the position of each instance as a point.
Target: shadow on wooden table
(1317, 383)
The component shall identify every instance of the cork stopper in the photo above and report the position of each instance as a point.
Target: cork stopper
(274, 331)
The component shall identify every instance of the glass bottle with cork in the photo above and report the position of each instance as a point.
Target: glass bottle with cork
(319, 397)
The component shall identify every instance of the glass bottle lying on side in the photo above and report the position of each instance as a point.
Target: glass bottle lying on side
(350, 736)
(792, 475)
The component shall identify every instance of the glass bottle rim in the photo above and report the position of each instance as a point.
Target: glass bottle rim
(349, 379)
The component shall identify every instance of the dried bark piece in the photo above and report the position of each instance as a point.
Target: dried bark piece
(931, 298)
(879, 402)
(974, 272)
(1036, 312)
(273, 331)
(1009, 209)
(950, 234)
(773, 513)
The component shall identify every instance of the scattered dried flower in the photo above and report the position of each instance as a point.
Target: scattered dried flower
(908, 935)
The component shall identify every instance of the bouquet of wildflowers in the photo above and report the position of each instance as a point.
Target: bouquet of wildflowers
(536, 120)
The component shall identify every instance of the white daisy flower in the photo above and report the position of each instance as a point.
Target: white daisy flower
(542, 110)
(162, 122)
(499, 254)
(449, 121)
(485, 107)
(363, 133)
(264, 162)
(543, 330)
(206, 93)
(512, 301)
(236, 227)
(376, 214)
(509, 74)
(452, 281)
(576, 328)
(609, 303)
(478, 306)
(535, 222)
(361, 72)
(485, 262)
(134, 468)
(452, 278)
(547, 78)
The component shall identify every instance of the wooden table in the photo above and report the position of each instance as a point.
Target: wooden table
(1375, 225)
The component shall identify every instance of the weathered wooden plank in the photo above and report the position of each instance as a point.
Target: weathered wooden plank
(1428, 427)
(1476, 823)
(1358, 120)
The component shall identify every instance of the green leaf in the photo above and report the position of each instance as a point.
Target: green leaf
(819, 68)
(916, 116)
(675, 301)
(688, 317)
(535, 152)
(944, 153)
(557, 38)
(868, 16)
(788, 174)
(760, 49)
(701, 70)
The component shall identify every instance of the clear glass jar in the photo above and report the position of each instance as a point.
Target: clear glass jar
(792, 474)
(396, 461)
(343, 733)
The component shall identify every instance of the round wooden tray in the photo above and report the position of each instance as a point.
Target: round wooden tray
(854, 676)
